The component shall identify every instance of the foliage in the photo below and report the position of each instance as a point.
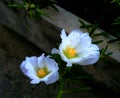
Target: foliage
(33, 8)
(116, 22)
(116, 1)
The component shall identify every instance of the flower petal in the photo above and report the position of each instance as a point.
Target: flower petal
(92, 56)
(63, 34)
(22, 67)
(51, 64)
(31, 75)
(33, 60)
(76, 31)
(55, 51)
(85, 42)
(41, 61)
(35, 81)
(73, 38)
(69, 64)
(25, 67)
(53, 77)
(91, 59)
(85, 52)
(30, 68)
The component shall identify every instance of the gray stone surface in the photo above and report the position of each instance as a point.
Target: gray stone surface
(45, 35)
(42, 33)
(13, 84)
(69, 21)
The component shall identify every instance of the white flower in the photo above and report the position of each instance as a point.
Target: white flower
(40, 69)
(76, 48)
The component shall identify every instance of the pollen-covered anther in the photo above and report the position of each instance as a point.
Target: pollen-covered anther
(70, 52)
(41, 73)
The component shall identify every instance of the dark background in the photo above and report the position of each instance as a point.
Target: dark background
(102, 11)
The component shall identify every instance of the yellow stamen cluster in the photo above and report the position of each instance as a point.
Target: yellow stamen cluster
(70, 52)
(42, 72)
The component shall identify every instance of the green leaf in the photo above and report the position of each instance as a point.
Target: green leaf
(93, 28)
(101, 33)
(84, 25)
(113, 40)
(103, 52)
(109, 53)
(16, 6)
(53, 6)
(42, 12)
(32, 6)
(26, 6)
(105, 49)
(97, 42)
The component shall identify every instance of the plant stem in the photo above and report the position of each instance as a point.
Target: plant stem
(60, 88)
(60, 94)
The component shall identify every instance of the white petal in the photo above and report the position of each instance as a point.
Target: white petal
(64, 44)
(69, 64)
(63, 34)
(91, 59)
(92, 55)
(73, 38)
(53, 77)
(93, 49)
(64, 58)
(51, 64)
(25, 67)
(30, 68)
(33, 60)
(85, 42)
(22, 67)
(35, 81)
(81, 42)
(41, 61)
(87, 57)
(55, 51)
(76, 31)
(31, 75)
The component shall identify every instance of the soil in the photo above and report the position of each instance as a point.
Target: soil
(13, 84)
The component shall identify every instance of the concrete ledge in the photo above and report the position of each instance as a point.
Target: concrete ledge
(45, 35)
(68, 21)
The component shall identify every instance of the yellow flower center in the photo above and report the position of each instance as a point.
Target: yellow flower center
(70, 52)
(42, 72)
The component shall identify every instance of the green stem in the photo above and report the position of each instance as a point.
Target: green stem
(60, 94)
(61, 87)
